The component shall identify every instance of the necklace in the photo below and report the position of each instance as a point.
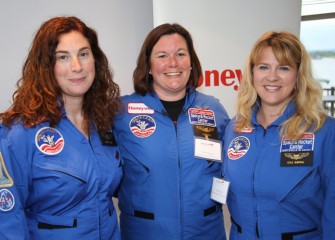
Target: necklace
(275, 114)
(266, 121)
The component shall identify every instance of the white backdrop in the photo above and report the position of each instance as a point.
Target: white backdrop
(224, 32)
(121, 26)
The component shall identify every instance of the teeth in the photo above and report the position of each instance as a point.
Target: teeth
(272, 88)
(172, 74)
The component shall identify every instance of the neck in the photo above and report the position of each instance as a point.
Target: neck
(73, 105)
(266, 116)
(74, 111)
(171, 96)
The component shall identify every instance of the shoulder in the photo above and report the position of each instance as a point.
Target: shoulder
(210, 101)
(230, 125)
(330, 120)
(329, 125)
(327, 131)
(18, 133)
(17, 129)
(3, 130)
(130, 98)
(202, 97)
(208, 97)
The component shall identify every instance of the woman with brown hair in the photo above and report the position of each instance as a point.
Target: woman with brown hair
(170, 138)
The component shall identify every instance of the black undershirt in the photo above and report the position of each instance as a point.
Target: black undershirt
(174, 108)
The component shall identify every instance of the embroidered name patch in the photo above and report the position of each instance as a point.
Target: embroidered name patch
(139, 108)
(7, 200)
(49, 141)
(297, 152)
(201, 117)
(238, 147)
(142, 126)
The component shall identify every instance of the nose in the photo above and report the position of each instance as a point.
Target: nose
(273, 75)
(76, 64)
(173, 61)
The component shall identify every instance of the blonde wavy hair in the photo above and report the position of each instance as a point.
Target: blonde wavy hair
(307, 95)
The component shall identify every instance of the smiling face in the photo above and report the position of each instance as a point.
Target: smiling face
(170, 67)
(274, 82)
(74, 68)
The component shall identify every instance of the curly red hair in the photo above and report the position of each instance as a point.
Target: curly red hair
(38, 96)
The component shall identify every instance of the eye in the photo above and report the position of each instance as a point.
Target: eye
(84, 54)
(181, 54)
(262, 67)
(62, 57)
(161, 55)
(284, 68)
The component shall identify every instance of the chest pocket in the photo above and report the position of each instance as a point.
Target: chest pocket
(57, 180)
(301, 184)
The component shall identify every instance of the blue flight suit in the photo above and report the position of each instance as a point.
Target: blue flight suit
(165, 191)
(280, 188)
(59, 184)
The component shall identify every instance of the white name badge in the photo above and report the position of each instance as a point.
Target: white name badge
(219, 190)
(208, 149)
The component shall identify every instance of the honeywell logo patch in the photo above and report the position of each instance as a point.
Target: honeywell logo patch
(139, 108)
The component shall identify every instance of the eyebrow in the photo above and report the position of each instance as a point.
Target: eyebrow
(179, 49)
(64, 51)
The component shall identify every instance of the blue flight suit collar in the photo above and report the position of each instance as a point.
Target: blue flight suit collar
(152, 100)
(290, 110)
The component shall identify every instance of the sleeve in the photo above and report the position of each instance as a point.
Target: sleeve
(328, 215)
(13, 194)
(228, 131)
(328, 182)
(222, 118)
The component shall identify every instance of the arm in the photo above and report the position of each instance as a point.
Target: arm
(328, 182)
(13, 194)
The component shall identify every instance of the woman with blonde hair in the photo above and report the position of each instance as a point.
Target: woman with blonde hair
(278, 153)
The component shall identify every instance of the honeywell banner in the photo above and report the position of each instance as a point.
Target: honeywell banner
(224, 32)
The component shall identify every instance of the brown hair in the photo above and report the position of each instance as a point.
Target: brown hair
(142, 78)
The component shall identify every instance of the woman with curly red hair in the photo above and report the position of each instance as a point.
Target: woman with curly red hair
(58, 155)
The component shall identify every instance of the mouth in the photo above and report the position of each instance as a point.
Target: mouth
(77, 80)
(172, 74)
(271, 88)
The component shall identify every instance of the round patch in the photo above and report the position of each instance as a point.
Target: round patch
(238, 147)
(142, 126)
(49, 141)
(7, 200)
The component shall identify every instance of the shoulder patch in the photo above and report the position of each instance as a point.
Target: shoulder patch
(238, 147)
(49, 141)
(142, 126)
(7, 200)
(5, 179)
